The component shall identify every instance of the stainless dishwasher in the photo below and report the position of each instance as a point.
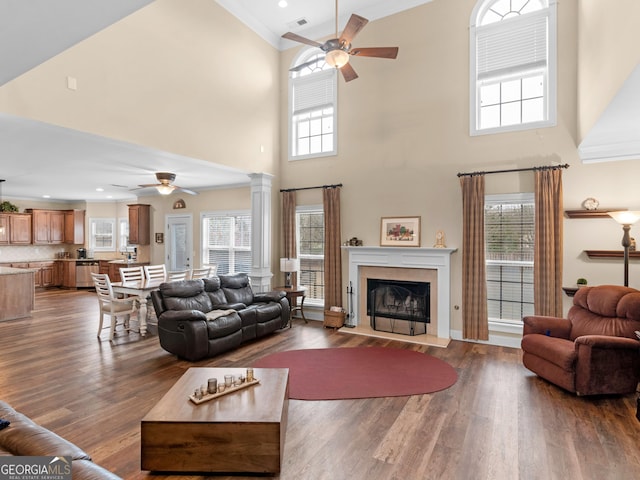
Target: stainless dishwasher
(84, 269)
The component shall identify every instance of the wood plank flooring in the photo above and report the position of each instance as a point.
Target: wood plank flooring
(499, 421)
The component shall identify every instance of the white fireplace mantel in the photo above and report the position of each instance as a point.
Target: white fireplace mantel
(404, 257)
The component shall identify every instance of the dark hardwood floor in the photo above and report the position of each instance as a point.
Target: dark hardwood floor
(498, 421)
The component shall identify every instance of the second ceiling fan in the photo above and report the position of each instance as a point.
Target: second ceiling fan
(339, 49)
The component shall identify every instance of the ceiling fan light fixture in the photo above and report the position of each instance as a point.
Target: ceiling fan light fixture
(337, 58)
(165, 189)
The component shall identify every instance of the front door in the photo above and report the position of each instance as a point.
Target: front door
(179, 242)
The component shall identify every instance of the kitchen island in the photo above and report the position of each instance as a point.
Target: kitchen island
(17, 292)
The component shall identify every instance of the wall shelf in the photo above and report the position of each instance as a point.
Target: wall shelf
(610, 254)
(591, 213)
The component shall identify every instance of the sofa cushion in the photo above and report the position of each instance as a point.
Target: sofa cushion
(236, 288)
(558, 351)
(267, 311)
(215, 293)
(185, 295)
(223, 326)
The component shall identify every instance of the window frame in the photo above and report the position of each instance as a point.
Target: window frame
(549, 72)
(93, 222)
(322, 78)
(204, 250)
(502, 324)
(301, 209)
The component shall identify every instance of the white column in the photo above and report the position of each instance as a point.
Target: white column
(261, 232)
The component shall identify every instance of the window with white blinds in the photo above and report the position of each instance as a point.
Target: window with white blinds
(227, 241)
(102, 234)
(312, 103)
(513, 65)
(310, 237)
(509, 255)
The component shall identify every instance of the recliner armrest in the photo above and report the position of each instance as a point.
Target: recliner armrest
(550, 326)
(267, 297)
(605, 341)
(183, 315)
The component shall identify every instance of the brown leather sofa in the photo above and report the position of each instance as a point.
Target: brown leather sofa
(204, 317)
(23, 437)
(594, 350)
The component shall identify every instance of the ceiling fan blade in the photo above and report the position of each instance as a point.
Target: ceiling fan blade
(297, 68)
(297, 38)
(348, 72)
(379, 52)
(149, 185)
(354, 25)
(184, 190)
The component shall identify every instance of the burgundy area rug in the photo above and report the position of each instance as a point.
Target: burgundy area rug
(361, 372)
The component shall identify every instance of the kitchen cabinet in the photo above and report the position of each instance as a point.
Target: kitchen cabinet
(67, 274)
(44, 275)
(16, 229)
(48, 226)
(74, 227)
(139, 224)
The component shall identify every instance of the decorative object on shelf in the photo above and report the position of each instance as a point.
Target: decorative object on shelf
(354, 242)
(400, 232)
(581, 282)
(590, 204)
(199, 396)
(179, 204)
(288, 266)
(626, 219)
(159, 237)
(439, 240)
(632, 247)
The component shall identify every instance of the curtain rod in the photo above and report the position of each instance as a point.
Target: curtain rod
(549, 167)
(310, 188)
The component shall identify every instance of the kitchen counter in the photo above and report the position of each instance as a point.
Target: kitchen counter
(17, 292)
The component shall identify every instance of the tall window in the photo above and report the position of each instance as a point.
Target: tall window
(513, 65)
(123, 233)
(312, 107)
(310, 235)
(102, 234)
(227, 241)
(509, 242)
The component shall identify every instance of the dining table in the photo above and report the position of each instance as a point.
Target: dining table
(140, 289)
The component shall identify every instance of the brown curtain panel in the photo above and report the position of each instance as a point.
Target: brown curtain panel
(289, 229)
(474, 286)
(332, 251)
(547, 269)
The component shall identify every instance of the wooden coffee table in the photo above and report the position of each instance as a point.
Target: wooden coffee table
(240, 432)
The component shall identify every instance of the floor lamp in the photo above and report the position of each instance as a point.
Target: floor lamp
(626, 218)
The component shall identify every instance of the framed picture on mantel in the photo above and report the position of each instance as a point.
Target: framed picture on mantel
(400, 232)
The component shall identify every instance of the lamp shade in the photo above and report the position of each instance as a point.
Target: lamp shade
(289, 264)
(625, 217)
(165, 189)
(337, 58)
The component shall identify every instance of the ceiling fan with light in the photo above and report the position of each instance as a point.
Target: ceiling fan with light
(166, 187)
(339, 49)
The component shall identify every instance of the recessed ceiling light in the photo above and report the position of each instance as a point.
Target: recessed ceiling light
(99, 189)
(46, 196)
(282, 3)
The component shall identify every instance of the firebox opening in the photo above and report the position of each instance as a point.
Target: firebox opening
(398, 306)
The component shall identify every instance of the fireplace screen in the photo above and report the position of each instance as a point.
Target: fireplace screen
(397, 306)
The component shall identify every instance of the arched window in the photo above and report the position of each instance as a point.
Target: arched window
(312, 107)
(513, 65)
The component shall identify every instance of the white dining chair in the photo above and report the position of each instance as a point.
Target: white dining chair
(131, 274)
(155, 272)
(177, 275)
(200, 273)
(111, 305)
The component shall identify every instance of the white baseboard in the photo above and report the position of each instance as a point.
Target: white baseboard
(495, 338)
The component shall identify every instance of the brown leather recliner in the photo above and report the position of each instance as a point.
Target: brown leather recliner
(595, 350)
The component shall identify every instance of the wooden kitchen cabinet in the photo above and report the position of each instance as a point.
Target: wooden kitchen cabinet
(4, 229)
(68, 274)
(74, 227)
(16, 229)
(139, 224)
(48, 226)
(44, 276)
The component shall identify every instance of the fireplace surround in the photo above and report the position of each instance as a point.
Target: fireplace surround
(431, 265)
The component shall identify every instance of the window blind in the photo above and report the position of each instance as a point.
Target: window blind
(314, 92)
(513, 45)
